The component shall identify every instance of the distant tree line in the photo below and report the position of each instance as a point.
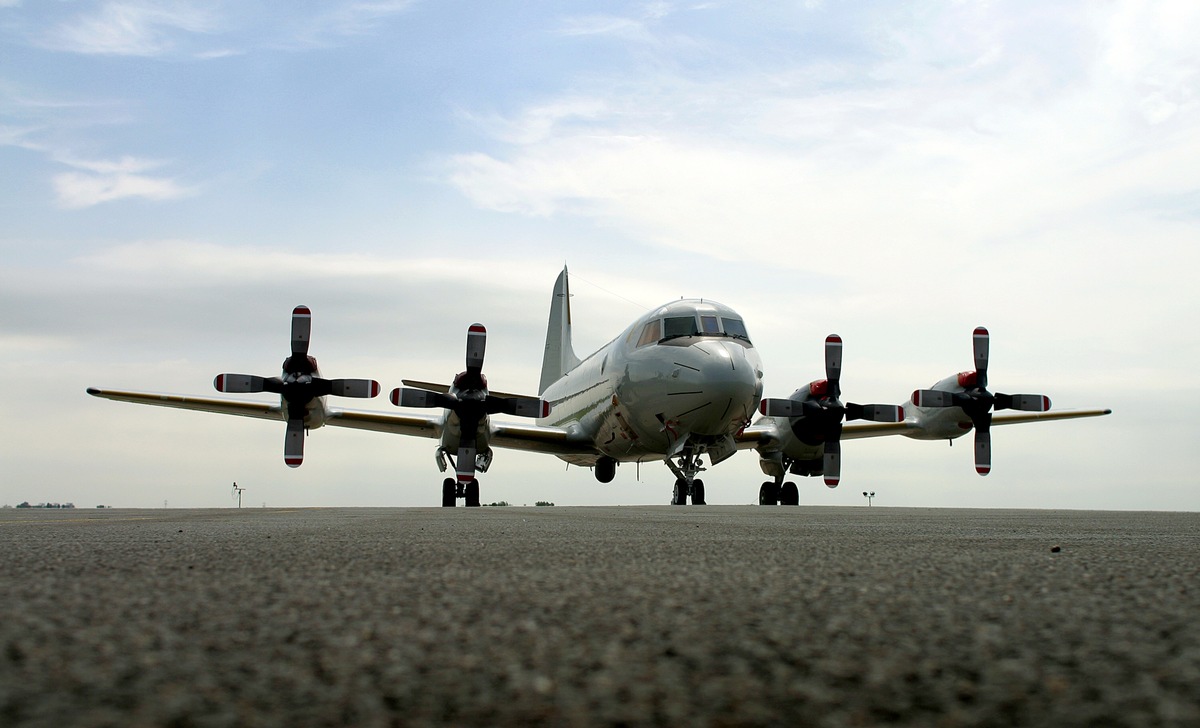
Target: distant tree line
(46, 505)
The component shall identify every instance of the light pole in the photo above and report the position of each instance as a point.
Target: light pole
(238, 492)
(868, 496)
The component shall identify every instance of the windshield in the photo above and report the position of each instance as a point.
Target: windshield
(676, 327)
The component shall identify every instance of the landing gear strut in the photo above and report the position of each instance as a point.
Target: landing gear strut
(686, 482)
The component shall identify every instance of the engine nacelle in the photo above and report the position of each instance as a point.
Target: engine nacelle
(801, 443)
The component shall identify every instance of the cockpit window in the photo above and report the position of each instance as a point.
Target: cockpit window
(651, 333)
(735, 328)
(679, 326)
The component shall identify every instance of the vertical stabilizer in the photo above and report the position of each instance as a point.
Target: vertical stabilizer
(559, 357)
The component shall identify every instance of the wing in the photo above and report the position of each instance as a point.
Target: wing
(765, 431)
(259, 410)
(531, 438)
(857, 430)
(540, 438)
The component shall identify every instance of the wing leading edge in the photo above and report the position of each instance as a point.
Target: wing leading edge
(532, 438)
(766, 432)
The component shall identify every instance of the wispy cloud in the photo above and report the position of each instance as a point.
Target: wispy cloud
(130, 28)
(338, 20)
(100, 181)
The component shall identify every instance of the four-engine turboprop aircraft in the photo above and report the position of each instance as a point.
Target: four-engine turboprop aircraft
(680, 384)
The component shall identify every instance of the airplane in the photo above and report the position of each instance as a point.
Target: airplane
(680, 385)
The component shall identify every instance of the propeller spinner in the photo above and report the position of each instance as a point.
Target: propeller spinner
(298, 386)
(818, 417)
(978, 403)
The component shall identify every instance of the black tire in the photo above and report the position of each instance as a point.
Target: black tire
(768, 494)
(681, 493)
(606, 469)
(789, 494)
(449, 493)
(698, 493)
(473, 493)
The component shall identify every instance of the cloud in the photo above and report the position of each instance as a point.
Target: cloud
(130, 28)
(105, 181)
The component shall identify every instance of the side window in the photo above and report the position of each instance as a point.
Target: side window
(651, 333)
(735, 328)
(709, 324)
(679, 326)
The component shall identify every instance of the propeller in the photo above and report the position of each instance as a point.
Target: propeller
(978, 403)
(299, 384)
(817, 417)
(471, 402)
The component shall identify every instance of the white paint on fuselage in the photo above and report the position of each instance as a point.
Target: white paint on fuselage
(703, 386)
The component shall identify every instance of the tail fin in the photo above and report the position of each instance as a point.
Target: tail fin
(559, 357)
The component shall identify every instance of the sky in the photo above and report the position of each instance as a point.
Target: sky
(176, 176)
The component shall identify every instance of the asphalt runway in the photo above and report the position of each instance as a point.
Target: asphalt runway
(664, 616)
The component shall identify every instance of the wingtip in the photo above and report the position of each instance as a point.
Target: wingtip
(93, 391)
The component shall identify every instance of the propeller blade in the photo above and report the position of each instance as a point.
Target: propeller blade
(932, 398)
(780, 408)
(875, 412)
(361, 388)
(983, 450)
(240, 383)
(476, 344)
(1023, 402)
(409, 397)
(833, 463)
(980, 342)
(293, 445)
(301, 329)
(833, 364)
(518, 406)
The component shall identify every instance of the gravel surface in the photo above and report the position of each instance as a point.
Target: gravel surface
(599, 616)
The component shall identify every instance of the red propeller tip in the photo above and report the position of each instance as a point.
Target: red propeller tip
(833, 339)
(983, 469)
(301, 311)
(293, 462)
(477, 329)
(395, 396)
(832, 481)
(981, 331)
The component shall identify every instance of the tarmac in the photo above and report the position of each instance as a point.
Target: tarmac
(636, 616)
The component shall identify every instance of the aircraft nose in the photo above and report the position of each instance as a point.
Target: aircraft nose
(729, 385)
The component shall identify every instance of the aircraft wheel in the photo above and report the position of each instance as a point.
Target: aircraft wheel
(680, 497)
(789, 495)
(473, 493)
(449, 492)
(606, 469)
(698, 493)
(768, 494)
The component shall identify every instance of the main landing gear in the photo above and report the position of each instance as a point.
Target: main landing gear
(771, 493)
(682, 491)
(452, 490)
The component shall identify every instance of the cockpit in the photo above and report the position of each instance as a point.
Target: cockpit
(681, 325)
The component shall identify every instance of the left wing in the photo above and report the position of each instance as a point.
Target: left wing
(766, 430)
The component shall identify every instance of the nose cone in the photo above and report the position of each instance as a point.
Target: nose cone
(715, 387)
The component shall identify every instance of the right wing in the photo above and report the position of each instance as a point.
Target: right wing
(531, 438)
(259, 410)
